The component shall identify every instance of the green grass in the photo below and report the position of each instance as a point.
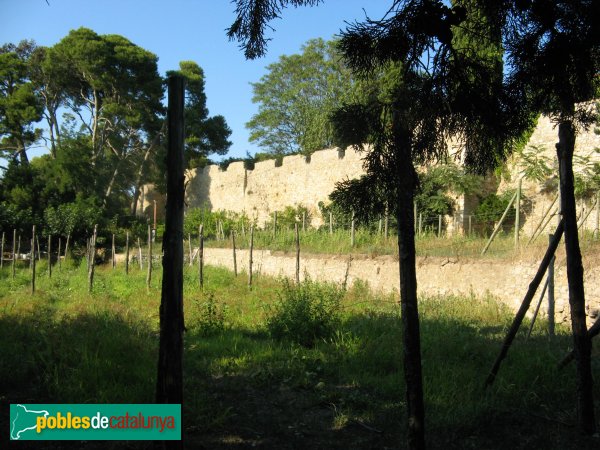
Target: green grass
(374, 244)
(245, 388)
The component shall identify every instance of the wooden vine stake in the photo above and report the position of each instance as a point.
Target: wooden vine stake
(297, 235)
(201, 256)
(58, 253)
(14, 252)
(127, 254)
(67, 246)
(32, 251)
(113, 253)
(92, 259)
(32, 261)
(140, 254)
(250, 256)
(49, 256)
(512, 332)
(353, 231)
(149, 273)
(234, 255)
(169, 385)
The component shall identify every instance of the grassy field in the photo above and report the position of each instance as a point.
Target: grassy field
(283, 366)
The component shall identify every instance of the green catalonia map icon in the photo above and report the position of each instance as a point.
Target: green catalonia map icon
(24, 420)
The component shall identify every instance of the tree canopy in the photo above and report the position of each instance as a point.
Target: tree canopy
(296, 97)
(100, 98)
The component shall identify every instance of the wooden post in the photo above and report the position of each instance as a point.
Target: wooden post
(58, 253)
(544, 215)
(518, 213)
(154, 228)
(113, 251)
(169, 385)
(551, 292)
(87, 253)
(201, 256)
(439, 225)
(14, 258)
(250, 256)
(380, 226)
(49, 256)
(512, 332)
(32, 262)
(2, 252)
(127, 253)
(386, 223)
(190, 248)
(330, 222)
(597, 229)
(32, 253)
(297, 253)
(149, 273)
(19, 246)
(415, 213)
(537, 308)
(67, 246)
(470, 224)
(352, 231)
(234, 255)
(495, 232)
(39, 252)
(92, 256)
(140, 254)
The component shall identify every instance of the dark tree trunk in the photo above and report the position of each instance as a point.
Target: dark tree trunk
(169, 386)
(581, 340)
(411, 336)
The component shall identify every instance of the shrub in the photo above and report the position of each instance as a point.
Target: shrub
(212, 316)
(305, 313)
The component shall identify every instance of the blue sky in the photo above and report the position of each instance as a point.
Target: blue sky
(177, 30)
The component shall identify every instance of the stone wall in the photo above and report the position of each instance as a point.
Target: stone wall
(505, 280)
(308, 181)
(267, 188)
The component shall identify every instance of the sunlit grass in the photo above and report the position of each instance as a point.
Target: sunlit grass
(63, 344)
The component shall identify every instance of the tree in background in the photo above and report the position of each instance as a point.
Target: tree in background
(296, 97)
(20, 107)
(204, 135)
(109, 140)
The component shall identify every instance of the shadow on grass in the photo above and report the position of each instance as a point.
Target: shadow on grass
(86, 358)
(245, 390)
(348, 392)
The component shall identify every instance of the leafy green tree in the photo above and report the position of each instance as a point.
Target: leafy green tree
(419, 101)
(204, 134)
(296, 97)
(20, 107)
(553, 49)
